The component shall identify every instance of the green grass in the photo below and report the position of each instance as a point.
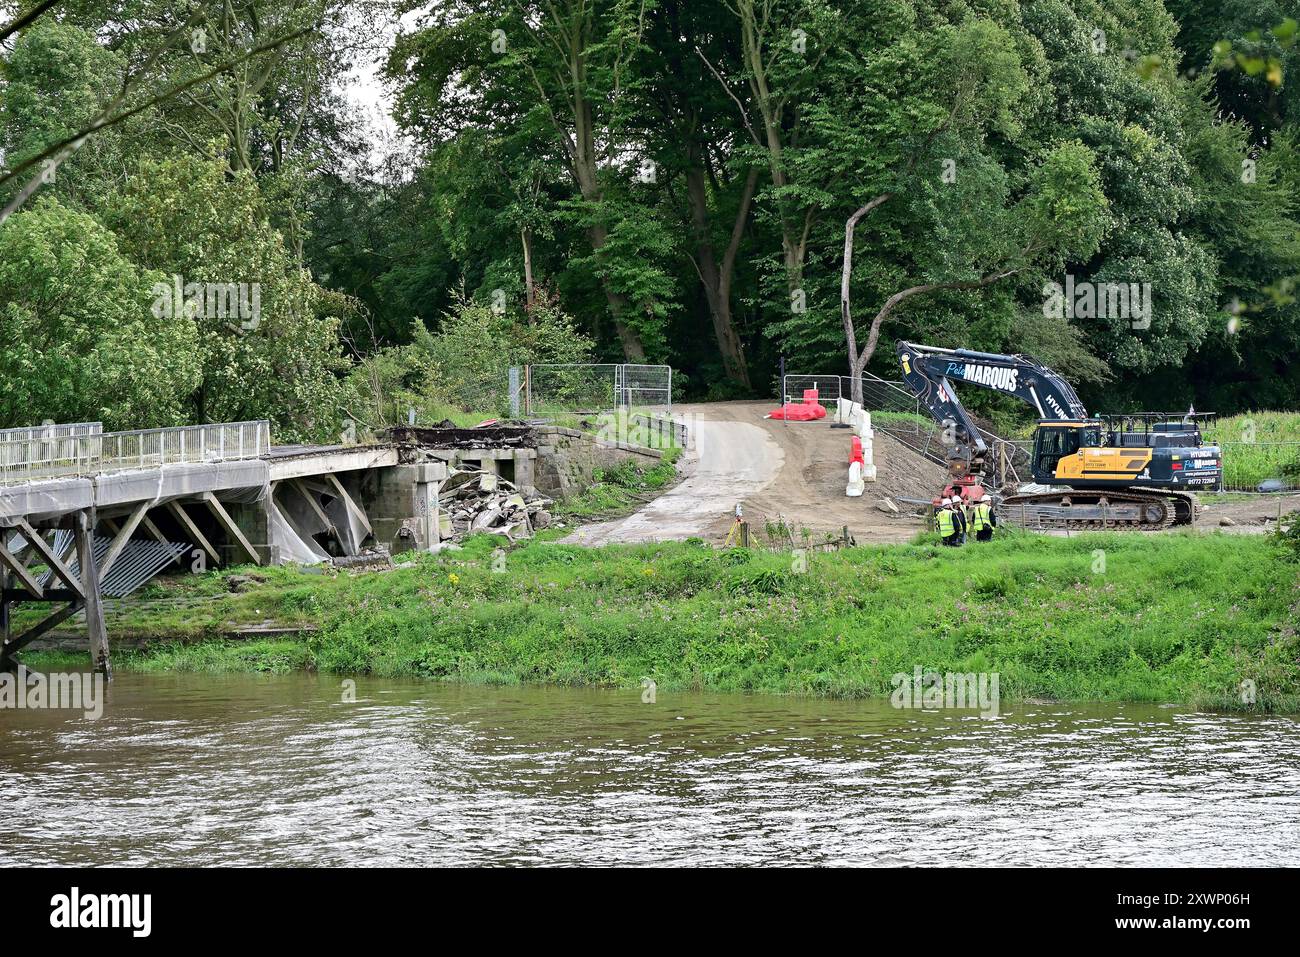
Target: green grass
(1267, 427)
(1172, 618)
(1258, 446)
(619, 490)
(908, 420)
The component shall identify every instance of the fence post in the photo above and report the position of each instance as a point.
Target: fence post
(514, 391)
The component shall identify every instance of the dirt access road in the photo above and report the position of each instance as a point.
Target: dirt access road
(795, 471)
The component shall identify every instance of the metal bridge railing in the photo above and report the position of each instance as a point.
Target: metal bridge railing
(51, 430)
(84, 455)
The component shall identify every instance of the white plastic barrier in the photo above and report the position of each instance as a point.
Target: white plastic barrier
(855, 487)
(868, 436)
(852, 414)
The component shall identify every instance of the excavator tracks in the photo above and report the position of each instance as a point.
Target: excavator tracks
(1085, 510)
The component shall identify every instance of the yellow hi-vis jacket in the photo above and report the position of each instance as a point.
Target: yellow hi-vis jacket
(943, 522)
(983, 517)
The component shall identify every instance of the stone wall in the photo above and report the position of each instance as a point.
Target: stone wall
(568, 459)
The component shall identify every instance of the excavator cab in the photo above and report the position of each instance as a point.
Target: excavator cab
(1054, 440)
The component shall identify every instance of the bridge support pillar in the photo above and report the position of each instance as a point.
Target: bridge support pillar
(80, 589)
(83, 525)
(405, 514)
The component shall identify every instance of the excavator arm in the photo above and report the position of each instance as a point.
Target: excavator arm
(930, 373)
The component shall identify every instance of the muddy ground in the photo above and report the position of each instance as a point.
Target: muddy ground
(808, 490)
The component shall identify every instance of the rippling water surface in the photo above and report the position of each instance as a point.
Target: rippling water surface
(279, 770)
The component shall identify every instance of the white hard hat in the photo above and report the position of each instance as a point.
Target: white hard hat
(986, 498)
(946, 501)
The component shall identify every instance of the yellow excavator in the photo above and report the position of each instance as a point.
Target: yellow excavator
(1136, 470)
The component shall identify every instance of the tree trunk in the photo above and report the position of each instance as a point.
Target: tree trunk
(857, 361)
(770, 110)
(530, 297)
(583, 159)
(717, 279)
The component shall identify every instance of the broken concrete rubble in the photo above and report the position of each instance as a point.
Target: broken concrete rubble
(479, 501)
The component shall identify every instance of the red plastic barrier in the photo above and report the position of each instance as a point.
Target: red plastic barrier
(804, 411)
(856, 454)
(797, 412)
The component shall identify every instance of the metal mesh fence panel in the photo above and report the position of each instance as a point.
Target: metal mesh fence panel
(827, 387)
(551, 389)
(595, 387)
(896, 411)
(643, 386)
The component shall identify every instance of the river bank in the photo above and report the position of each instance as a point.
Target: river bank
(1108, 617)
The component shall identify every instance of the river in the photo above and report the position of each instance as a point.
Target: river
(209, 770)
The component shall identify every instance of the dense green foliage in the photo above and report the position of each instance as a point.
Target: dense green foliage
(629, 179)
(1166, 618)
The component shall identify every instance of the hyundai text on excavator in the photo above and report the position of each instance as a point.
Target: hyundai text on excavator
(1136, 470)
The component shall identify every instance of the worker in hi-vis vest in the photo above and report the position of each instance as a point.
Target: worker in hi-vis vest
(948, 523)
(983, 520)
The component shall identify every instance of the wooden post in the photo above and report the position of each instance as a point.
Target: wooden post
(83, 523)
(4, 603)
(123, 535)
